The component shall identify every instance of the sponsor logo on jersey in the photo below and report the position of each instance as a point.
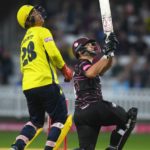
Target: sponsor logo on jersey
(48, 39)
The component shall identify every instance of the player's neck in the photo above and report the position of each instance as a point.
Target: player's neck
(39, 24)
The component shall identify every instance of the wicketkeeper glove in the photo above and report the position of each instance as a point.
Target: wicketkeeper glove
(110, 45)
(67, 73)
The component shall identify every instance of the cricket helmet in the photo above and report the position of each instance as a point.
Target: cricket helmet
(23, 14)
(79, 45)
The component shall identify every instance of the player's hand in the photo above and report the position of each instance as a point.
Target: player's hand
(67, 73)
(110, 44)
(112, 37)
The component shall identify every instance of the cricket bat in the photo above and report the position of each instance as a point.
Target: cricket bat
(106, 18)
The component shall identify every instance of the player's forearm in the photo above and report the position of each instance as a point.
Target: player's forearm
(99, 68)
(109, 64)
(59, 62)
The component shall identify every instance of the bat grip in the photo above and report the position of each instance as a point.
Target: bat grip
(107, 40)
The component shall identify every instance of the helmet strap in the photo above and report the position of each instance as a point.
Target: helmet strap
(87, 52)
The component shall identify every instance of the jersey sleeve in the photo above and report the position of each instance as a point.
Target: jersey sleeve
(52, 49)
(84, 66)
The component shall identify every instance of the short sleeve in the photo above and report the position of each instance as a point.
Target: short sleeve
(84, 66)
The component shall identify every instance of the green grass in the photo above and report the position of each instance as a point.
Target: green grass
(135, 142)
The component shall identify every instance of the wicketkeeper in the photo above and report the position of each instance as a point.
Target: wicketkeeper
(91, 110)
(39, 58)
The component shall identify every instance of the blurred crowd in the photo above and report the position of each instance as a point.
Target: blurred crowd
(6, 66)
(71, 19)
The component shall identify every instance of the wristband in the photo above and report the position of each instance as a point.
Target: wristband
(108, 56)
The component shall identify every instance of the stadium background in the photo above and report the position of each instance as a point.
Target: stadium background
(127, 83)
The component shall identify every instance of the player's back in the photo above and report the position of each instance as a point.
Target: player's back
(36, 69)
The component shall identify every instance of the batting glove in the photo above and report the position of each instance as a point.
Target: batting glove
(111, 44)
(67, 73)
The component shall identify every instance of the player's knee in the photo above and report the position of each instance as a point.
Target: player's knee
(132, 112)
(61, 125)
(38, 123)
(125, 132)
(29, 130)
(61, 118)
(54, 134)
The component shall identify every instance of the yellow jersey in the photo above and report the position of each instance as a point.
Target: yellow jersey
(39, 58)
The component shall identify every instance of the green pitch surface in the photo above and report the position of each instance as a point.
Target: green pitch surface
(135, 142)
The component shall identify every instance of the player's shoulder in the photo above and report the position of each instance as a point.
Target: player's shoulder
(82, 65)
(45, 31)
(41, 29)
(44, 28)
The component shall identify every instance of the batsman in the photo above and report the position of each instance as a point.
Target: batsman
(39, 58)
(91, 110)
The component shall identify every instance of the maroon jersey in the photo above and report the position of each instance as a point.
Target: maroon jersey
(88, 90)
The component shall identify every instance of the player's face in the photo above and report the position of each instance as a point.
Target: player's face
(38, 17)
(90, 46)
